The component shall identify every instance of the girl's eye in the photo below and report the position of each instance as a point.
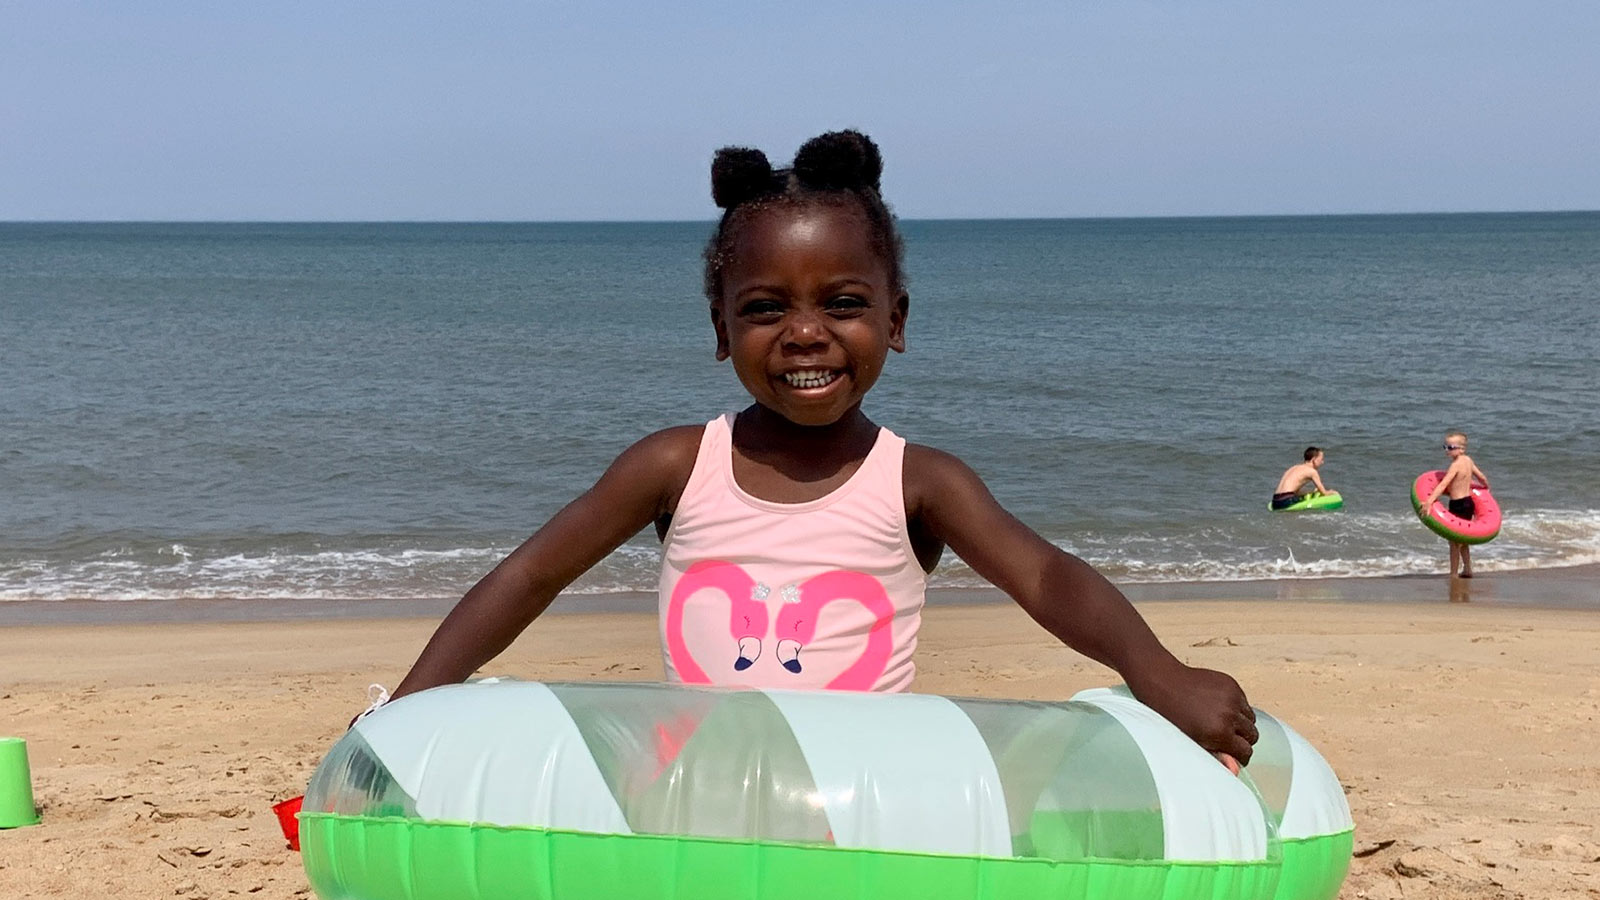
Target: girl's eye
(761, 309)
(847, 304)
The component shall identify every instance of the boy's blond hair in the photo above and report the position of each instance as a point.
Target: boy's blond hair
(1457, 434)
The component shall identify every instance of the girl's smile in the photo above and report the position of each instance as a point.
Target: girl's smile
(811, 378)
(808, 314)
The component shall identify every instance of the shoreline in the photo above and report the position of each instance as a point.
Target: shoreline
(1560, 588)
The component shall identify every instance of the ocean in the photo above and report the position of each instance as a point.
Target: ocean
(341, 411)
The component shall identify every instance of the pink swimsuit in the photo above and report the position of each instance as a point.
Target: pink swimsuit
(822, 594)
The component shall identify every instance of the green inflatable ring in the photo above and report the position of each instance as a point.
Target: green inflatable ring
(1314, 500)
(666, 792)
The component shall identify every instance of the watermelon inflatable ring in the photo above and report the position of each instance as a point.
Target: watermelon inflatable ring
(1480, 529)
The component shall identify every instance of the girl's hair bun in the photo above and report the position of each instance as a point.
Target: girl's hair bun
(847, 160)
(840, 169)
(740, 174)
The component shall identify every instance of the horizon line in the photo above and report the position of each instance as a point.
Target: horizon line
(674, 221)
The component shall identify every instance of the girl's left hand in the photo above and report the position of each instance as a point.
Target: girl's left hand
(1208, 706)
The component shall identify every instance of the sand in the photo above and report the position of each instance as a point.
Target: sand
(1467, 735)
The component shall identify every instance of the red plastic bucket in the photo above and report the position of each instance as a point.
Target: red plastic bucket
(287, 821)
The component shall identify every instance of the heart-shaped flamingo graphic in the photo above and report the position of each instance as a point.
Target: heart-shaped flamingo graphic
(797, 620)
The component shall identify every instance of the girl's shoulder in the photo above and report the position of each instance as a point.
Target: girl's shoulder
(919, 455)
(929, 475)
(657, 465)
(668, 450)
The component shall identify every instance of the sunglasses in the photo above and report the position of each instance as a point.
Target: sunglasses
(1454, 447)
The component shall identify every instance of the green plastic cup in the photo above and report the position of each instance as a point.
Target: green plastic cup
(16, 785)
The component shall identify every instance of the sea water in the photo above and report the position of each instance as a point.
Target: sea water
(384, 410)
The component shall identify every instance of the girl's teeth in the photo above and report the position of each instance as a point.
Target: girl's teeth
(810, 379)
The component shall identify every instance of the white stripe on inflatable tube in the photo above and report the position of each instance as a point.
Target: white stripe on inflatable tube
(1317, 805)
(1206, 813)
(506, 754)
(883, 787)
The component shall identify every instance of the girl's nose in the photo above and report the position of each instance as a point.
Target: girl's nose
(806, 329)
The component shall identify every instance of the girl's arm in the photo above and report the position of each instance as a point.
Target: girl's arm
(1073, 602)
(641, 485)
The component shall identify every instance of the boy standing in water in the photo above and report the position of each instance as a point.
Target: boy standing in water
(1294, 478)
(1457, 481)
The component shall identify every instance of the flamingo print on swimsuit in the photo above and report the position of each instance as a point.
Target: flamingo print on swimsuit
(796, 625)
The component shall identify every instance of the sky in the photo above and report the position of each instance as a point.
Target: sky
(558, 111)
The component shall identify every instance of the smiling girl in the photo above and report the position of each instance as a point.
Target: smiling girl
(797, 534)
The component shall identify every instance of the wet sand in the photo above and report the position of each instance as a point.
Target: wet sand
(1465, 733)
(1573, 587)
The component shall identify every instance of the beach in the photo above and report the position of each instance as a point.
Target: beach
(1463, 732)
(311, 314)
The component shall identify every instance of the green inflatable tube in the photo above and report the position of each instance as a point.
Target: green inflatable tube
(1315, 500)
(666, 792)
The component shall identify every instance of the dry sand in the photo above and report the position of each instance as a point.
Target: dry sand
(1467, 736)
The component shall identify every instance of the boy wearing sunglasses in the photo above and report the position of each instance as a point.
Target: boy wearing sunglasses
(1457, 481)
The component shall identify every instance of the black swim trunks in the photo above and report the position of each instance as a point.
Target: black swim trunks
(1285, 500)
(1463, 508)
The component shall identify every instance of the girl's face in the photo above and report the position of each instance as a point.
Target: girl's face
(807, 312)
